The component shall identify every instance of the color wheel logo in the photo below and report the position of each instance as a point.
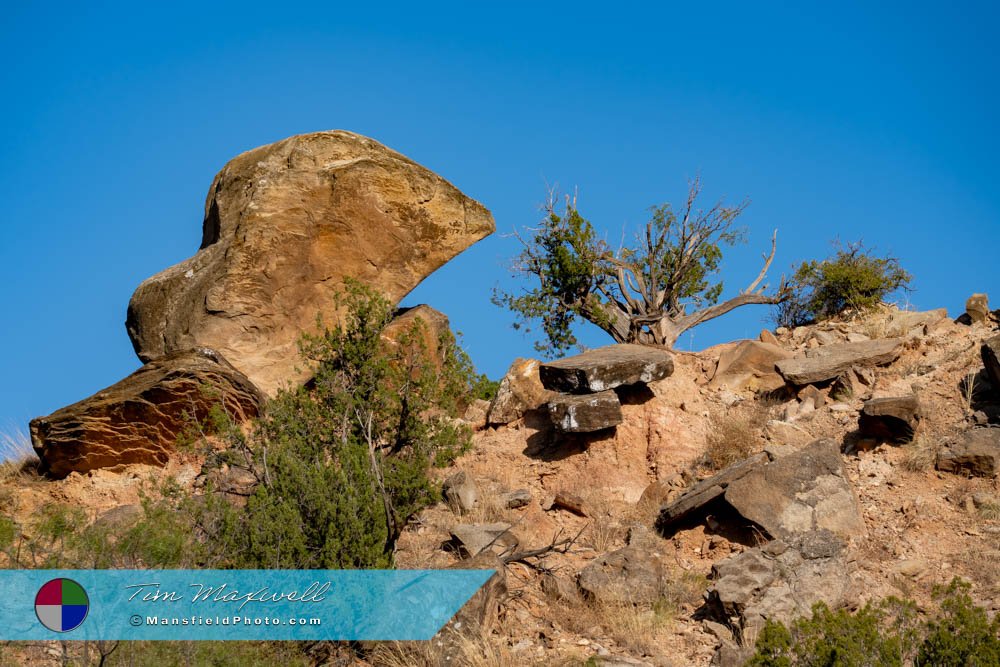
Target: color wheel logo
(61, 605)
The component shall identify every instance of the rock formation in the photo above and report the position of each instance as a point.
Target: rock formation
(829, 361)
(139, 419)
(606, 368)
(284, 225)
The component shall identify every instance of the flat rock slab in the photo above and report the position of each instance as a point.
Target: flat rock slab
(890, 419)
(585, 413)
(284, 225)
(975, 452)
(798, 493)
(991, 359)
(474, 538)
(706, 491)
(830, 361)
(139, 419)
(606, 368)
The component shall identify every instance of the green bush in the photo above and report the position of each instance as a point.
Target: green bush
(956, 634)
(853, 279)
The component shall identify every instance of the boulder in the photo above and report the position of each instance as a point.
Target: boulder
(890, 419)
(798, 493)
(520, 391)
(284, 225)
(977, 307)
(431, 325)
(139, 419)
(780, 581)
(606, 368)
(903, 322)
(516, 498)
(830, 361)
(585, 413)
(750, 365)
(706, 491)
(975, 452)
(990, 351)
(460, 491)
(474, 538)
(632, 574)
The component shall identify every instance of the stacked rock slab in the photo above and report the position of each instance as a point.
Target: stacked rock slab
(585, 401)
(828, 362)
(139, 419)
(284, 225)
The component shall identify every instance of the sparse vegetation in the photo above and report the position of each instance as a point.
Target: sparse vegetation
(735, 435)
(920, 453)
(957, 633)
(853, 279)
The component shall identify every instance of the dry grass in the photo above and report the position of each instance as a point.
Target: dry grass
(920, 454)
(458, 649)
(604, 532)
(990, 511)
(969, 390)
(735, 435)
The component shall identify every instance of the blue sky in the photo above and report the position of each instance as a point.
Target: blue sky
(842, 121)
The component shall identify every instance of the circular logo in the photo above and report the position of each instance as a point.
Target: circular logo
(61, 605)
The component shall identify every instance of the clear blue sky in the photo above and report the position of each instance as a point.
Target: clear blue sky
(848, 120)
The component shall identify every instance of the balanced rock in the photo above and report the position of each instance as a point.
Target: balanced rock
(750, 365)
(990, 351)
(284, 225)
(890, 419)
(804, 491)
(830, 361)
(975, 452)
(520, 391)
(585, 413)
(606, 368)
(139, 419)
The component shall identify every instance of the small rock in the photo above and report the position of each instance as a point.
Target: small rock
(977, 307)
(461, 492)
(514, 499)
(768, 337)
(474, 538)
(569, 501)
(476, 414)
(718, 630)
(990, 351)
(831, 361)
(520, 391)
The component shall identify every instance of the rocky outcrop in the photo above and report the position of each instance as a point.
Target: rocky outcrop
(585, 413)
(798, 493)
(284, 225)
(977, 308)
(633, 574)
(990, 351)
(606, 368)
(780, 581)
(890, 419)
(139, 419)
(750, 365)
(975, 452)
(520, 391)
(707, 490)
(827, 362)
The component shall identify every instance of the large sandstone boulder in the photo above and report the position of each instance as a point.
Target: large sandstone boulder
(830, 361)
(284, 225)
(606, 368)
(750, 365)
(520, 391)
(804, 491)
(139, 419)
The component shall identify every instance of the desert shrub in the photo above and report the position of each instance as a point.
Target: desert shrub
(957, 633)
(853, 279)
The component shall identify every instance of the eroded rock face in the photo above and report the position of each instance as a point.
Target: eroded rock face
(606, 368)
(138, 419)
(798, 493)
(830, 361)
(284, 225)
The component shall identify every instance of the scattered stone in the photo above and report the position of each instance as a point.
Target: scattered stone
(284, 225)
(802, 492)
(707, 490)
(990, 351)
(717, 630)
(520, 391)
(139, 419)
(517, 498)
(890, 419)
(631, 574)
(830, 361)
(461, 492)
(817, 396)
(569, 501)
(474, 538)
(912, 567)
(559, 588)
(975, 452)
(606, 368)
(977, 307)
(825, 337)
(750, 365)
(585, 413)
